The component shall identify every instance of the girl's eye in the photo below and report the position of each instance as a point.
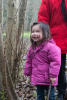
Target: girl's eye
(38, 31)
(32, 32)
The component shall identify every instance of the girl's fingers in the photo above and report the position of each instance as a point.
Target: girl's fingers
(52, 80)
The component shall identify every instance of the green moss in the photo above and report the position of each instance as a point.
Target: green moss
(2, 95)
(34, 94)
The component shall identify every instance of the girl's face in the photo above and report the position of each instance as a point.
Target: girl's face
(36, 33)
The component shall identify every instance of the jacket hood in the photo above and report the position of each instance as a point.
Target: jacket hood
(52, 41)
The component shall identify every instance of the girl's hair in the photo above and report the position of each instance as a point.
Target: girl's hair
(45, 30)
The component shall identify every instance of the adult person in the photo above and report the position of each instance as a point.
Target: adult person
(54, 13)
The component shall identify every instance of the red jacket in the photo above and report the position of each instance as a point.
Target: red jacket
(50, 12)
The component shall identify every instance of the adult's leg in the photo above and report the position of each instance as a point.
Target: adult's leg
(62, 78)
(40, 92)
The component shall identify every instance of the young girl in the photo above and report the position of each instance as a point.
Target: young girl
(43, 60)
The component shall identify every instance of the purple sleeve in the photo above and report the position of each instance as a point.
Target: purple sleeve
(54, 55)
(28, 64)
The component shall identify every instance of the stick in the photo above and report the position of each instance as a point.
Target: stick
(49, 91)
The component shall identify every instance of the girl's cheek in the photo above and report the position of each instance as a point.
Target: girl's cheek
(42, 36)
(38, 35)
(32, 35)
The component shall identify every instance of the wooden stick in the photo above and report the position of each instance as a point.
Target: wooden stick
(49, 90)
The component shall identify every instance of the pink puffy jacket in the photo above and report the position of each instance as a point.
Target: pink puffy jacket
(43, 62)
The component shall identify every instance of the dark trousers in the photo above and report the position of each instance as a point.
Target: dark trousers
(62, 78)
(41, 94)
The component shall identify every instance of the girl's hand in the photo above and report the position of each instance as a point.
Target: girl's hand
(52, 80)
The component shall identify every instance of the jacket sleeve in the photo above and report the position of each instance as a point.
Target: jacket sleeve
(54, 56)
(28, 64)
(44, 12)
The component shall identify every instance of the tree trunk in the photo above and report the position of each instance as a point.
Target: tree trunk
(1, 86)
(19, 39)
(13, 49)
(10, 55)
(1, 61)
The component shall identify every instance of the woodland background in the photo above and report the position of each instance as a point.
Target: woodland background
(16, 17)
